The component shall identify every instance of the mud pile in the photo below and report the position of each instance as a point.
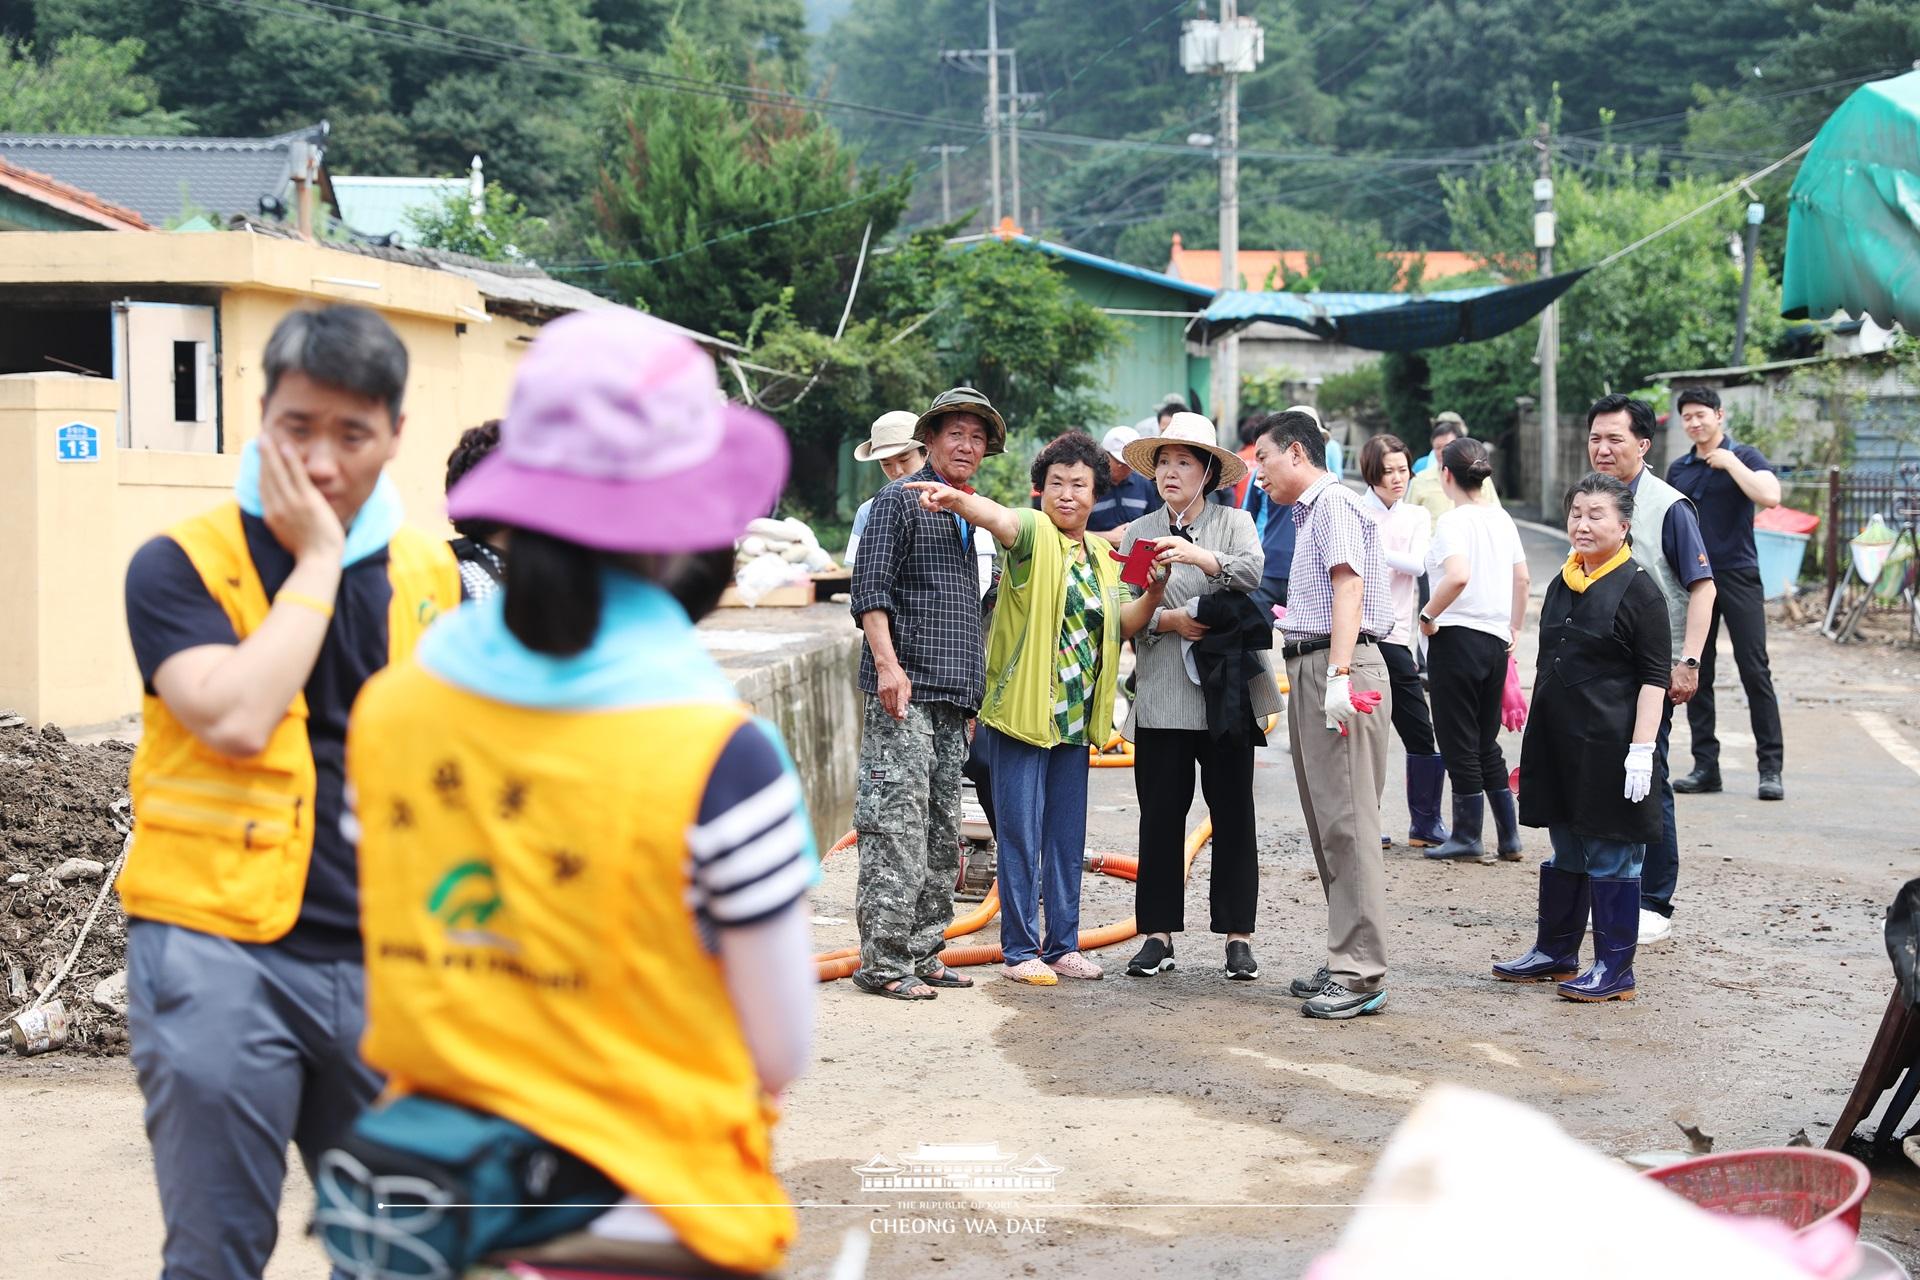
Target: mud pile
(59, 839)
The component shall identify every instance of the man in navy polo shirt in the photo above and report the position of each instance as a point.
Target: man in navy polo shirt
(1726, 480)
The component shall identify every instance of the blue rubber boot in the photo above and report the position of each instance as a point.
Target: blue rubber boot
(1426, 775)
(1616, 933)
(1469, 813)
(1563, 922)
(1506, 823)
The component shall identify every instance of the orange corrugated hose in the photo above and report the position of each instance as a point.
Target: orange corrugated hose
(1121, 866)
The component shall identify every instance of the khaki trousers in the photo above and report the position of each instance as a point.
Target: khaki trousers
(1340, 780)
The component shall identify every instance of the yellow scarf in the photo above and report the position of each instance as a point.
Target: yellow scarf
(1579, 579)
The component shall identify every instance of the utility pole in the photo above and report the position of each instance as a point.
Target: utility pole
(1227, 401)
(1549, 331)
(945, 150)
(1755, 212)
(1013, 126)
(1229, 48)
(993, 102)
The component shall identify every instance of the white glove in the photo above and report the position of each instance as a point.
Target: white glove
(1639, 771)
(1339, 702)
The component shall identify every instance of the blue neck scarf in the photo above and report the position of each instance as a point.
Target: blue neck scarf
(379, 519)
(645, 653)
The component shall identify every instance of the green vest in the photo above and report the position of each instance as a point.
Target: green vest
(1023, 648)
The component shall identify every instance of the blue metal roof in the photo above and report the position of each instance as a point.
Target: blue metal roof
(1115, 267)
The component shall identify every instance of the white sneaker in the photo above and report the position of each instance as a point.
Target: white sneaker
(1654, 928)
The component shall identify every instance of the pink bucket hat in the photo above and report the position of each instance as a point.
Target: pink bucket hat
(616, 438)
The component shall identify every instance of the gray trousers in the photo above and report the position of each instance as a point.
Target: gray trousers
(239, 1050)
(1340, 780)
(907, 811)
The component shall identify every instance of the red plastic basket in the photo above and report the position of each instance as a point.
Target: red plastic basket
(1800, 1186)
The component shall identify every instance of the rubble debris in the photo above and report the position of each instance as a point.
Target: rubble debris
(110, 993)
(57, 810)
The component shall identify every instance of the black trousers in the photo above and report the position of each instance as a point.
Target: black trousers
(1411, 719)
(1467, 672)
(1738, 600)
(1163, 764)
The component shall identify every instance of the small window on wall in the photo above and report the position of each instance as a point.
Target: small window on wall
(186, 382)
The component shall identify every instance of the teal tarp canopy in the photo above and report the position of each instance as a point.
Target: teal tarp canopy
(1853, 227)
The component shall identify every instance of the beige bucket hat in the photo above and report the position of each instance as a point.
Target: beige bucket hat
(1195, 432)
(890, 436)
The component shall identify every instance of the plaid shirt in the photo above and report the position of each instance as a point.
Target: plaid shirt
(915, 566)
(1333, 529)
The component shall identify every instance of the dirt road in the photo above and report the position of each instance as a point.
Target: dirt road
(1203, 1127)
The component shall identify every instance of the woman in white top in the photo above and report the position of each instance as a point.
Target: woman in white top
(1472, 620)
(1405, 528)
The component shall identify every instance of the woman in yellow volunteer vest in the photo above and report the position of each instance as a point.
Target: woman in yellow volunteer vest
(1053, 660)
(254, 626)
(584, 863)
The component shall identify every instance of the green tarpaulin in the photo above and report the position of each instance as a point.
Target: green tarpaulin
(1853, 227)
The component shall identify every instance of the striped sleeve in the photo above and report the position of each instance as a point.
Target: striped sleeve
(752, 846)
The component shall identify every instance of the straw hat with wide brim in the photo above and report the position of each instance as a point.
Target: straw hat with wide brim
(1196, 433)
(891, 436)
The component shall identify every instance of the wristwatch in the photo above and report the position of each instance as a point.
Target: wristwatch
(1425, 620)
(1691, 664)
(1339, 671)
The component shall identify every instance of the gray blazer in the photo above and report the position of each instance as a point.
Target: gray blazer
(1166, 698)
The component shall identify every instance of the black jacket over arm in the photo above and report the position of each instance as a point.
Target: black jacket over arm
(1597, 650)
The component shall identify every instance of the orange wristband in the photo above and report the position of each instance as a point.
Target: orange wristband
(319, 606)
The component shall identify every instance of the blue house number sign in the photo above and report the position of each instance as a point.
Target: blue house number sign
(78, 442)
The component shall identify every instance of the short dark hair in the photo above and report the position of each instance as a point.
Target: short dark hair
(350, 348)
(474, 444)
(1468, 462)
(1068, 449)
(1250, 430)
(1697, 395)
(1373, 457)
(554, 589)
(1290, 426)
(1458, 430)
(1600, 482)
(1639, 413)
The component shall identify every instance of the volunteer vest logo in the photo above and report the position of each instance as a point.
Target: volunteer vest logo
(464, 900)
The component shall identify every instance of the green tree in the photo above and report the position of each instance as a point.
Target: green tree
(85, 86)
(715, 206)
(503, 231)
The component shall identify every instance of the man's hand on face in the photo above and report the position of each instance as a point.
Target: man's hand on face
(298, 517)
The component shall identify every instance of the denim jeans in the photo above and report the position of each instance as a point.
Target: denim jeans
(1592, 856)
(1662, 871)
(1040, 796)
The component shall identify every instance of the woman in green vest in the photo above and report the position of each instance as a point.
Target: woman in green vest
(1053, 659)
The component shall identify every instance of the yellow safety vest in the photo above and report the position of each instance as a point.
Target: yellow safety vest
(530, 953)
(221, 844)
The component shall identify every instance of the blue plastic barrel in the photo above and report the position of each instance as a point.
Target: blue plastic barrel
(1780, 557)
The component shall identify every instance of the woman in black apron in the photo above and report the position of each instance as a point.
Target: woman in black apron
(1586, 763)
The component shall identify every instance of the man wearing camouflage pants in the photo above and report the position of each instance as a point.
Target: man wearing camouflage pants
(916, 597)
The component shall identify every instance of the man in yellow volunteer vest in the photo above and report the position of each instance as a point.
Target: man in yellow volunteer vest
(254, 625)
(585, 863)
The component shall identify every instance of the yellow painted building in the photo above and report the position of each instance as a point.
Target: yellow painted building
(154, 340)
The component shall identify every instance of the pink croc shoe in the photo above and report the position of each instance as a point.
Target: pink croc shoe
(1075, 965)
(1031, 972)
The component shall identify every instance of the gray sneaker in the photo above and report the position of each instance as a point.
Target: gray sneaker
(1335, 1001)
(1307, 988)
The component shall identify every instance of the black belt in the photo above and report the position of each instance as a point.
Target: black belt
(1288, 652)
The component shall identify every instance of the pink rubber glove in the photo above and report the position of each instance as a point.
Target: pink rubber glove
(1279, 614)
(1513, 702)
(1365, 701)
